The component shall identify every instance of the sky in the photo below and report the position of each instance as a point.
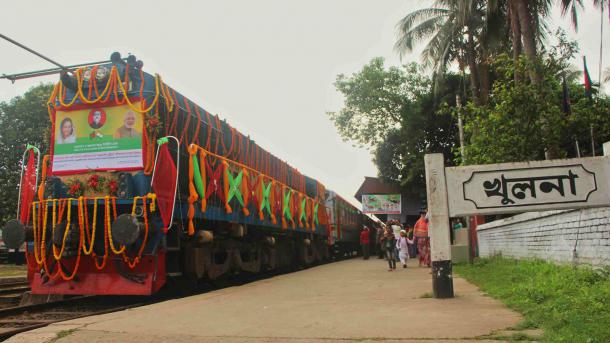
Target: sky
(266, 66)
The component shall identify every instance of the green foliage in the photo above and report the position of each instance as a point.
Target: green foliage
(393, 112)
(23, 120)
(522, 119)
(375, 99)
(570, 305)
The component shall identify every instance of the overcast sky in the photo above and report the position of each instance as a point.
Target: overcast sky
(266, 66)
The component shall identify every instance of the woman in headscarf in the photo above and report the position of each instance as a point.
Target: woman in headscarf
(423, 240)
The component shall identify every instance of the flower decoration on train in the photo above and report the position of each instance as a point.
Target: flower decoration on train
(153, 123)
(113, 187)
(75, 188)
(96, 182)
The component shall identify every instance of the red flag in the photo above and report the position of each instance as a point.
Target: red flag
(28, 188)
(164, 184)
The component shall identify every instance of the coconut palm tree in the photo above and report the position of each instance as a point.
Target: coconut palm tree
(450, 29)
(574, 6)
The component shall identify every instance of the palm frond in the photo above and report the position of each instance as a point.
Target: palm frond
(407, 39)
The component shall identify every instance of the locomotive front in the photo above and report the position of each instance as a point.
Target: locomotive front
(141, 183)
(90, 221)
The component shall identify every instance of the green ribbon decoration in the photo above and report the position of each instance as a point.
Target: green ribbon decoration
(303, 214)
(315, 214)
(265, 204)
(286, 210)
(234, 186)
(29, 146)
(197, 176)
(162, 140)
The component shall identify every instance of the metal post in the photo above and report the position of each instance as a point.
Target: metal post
(35, 53)
(458, 102)
(592, 142)
(438, 214)
(601, 46)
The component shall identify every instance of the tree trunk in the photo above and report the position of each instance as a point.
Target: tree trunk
(472, 65)
(516, 36)
(484, 87)
(528, 34)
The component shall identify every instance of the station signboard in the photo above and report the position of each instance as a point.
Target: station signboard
(381, 203)
(529, 186)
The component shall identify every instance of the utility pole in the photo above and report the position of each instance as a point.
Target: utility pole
(458, 102)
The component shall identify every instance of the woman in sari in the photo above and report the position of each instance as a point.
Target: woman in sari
(422, 238)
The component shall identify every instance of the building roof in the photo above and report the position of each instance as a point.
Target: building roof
(373, 185)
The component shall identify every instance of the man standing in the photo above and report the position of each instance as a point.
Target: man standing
(364, 242)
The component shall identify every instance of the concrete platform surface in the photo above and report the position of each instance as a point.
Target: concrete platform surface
(352, 300)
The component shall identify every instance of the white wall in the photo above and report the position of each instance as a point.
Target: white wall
(550, 235)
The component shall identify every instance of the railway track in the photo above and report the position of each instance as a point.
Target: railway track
(14, 287)
(12, 290)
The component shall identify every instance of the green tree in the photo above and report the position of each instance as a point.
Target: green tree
(23, 120)
(455, 31)
(392, 111)
(523, 120)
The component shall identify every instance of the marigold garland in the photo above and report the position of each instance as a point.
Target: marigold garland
(108, 227)
(132, 263)
(66, 231)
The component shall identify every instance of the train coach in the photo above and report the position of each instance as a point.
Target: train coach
(140, 184)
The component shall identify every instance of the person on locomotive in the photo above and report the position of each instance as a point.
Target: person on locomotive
(67, 132)
(128, 129)
(364, 242)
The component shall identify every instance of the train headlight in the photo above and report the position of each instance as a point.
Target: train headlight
(125, 229)
(13, 234)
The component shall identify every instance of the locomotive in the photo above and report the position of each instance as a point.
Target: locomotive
(141, 184)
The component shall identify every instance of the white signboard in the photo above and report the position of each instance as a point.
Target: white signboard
(381, 203)
(529, 186)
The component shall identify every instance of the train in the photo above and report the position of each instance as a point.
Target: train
(141, 185)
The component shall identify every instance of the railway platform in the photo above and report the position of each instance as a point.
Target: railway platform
(351, 300)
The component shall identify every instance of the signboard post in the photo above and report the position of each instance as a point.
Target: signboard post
(438, 216)
(505, 188)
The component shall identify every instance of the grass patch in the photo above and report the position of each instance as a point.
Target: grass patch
(61, 334)
(427, 295)
(7, 270)
(570, 305)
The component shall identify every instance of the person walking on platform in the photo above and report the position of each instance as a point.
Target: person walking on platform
(396, 227)
(423, 240)
(412, 247)
(364, 242)
(389, 243)
(380, 246)
(402, 245)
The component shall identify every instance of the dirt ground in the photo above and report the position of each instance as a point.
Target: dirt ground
(352, 300)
